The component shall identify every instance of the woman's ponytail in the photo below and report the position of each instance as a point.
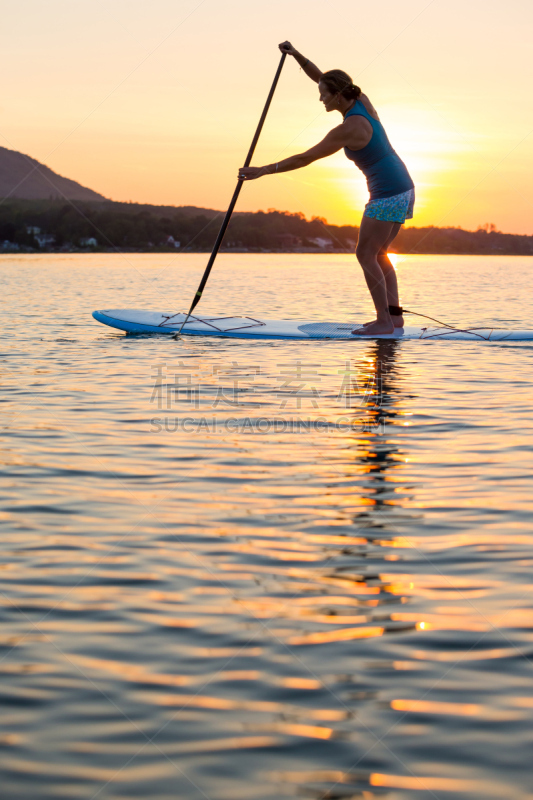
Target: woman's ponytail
(339, 82)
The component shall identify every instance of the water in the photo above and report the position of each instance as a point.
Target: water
(339, 606)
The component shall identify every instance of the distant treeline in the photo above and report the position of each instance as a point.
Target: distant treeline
(54, 225)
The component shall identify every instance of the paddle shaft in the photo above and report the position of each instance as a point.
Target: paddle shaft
(236, 193)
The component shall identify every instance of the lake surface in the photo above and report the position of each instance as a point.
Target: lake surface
(263, 570)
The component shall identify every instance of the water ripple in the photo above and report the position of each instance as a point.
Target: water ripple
(315, 589)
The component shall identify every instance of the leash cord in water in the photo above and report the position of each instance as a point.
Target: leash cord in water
(439, 321)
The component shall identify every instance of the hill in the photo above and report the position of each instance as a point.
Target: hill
(54, 225)
(35, 217)
(23, 177)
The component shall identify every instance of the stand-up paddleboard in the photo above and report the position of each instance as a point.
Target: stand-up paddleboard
(134, 321)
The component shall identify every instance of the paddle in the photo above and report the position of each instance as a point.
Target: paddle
(236, 193)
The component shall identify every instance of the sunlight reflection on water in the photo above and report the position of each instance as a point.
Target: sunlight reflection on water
(341, 610)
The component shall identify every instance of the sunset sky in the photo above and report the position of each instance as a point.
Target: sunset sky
(158, 102)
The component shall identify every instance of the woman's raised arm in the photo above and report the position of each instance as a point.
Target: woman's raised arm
(311, 70)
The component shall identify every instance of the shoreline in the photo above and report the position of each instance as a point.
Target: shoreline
(241, 250)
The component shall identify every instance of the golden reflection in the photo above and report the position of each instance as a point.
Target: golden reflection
(171, 748)
(137, 673)
(372, 392)
(418, 783)
(337, 619)
(522, 702)
(11, 740)
(300, 683)
(433, 707)
(376, 389)
(83, 772)
(469, 655)
(340, 635)
(474, 622)
(433, 784)
(438, 585)
(329, 599)
(312, 776)
(224, 652)
(308, 731)
(222, 703)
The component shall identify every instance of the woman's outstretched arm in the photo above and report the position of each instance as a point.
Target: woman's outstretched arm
(332, 143)
(311, 70)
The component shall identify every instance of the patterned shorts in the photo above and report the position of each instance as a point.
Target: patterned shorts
(392, 209)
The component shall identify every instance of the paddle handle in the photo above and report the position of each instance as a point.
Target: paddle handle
(236, 193)
(265, 112)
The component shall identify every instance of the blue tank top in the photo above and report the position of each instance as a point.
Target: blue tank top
(384, 170)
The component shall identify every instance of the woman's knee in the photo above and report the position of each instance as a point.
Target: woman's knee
(365, 251)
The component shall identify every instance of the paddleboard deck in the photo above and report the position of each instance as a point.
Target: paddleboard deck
(138, 321)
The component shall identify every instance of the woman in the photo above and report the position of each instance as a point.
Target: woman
(391, 188)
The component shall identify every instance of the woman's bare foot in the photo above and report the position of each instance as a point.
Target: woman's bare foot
(397, 321)
(374, 328)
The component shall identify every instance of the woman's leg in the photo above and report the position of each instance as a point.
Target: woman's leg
(374, 236)
(390, 275)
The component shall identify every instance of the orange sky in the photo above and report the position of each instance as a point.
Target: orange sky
(158, 102)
